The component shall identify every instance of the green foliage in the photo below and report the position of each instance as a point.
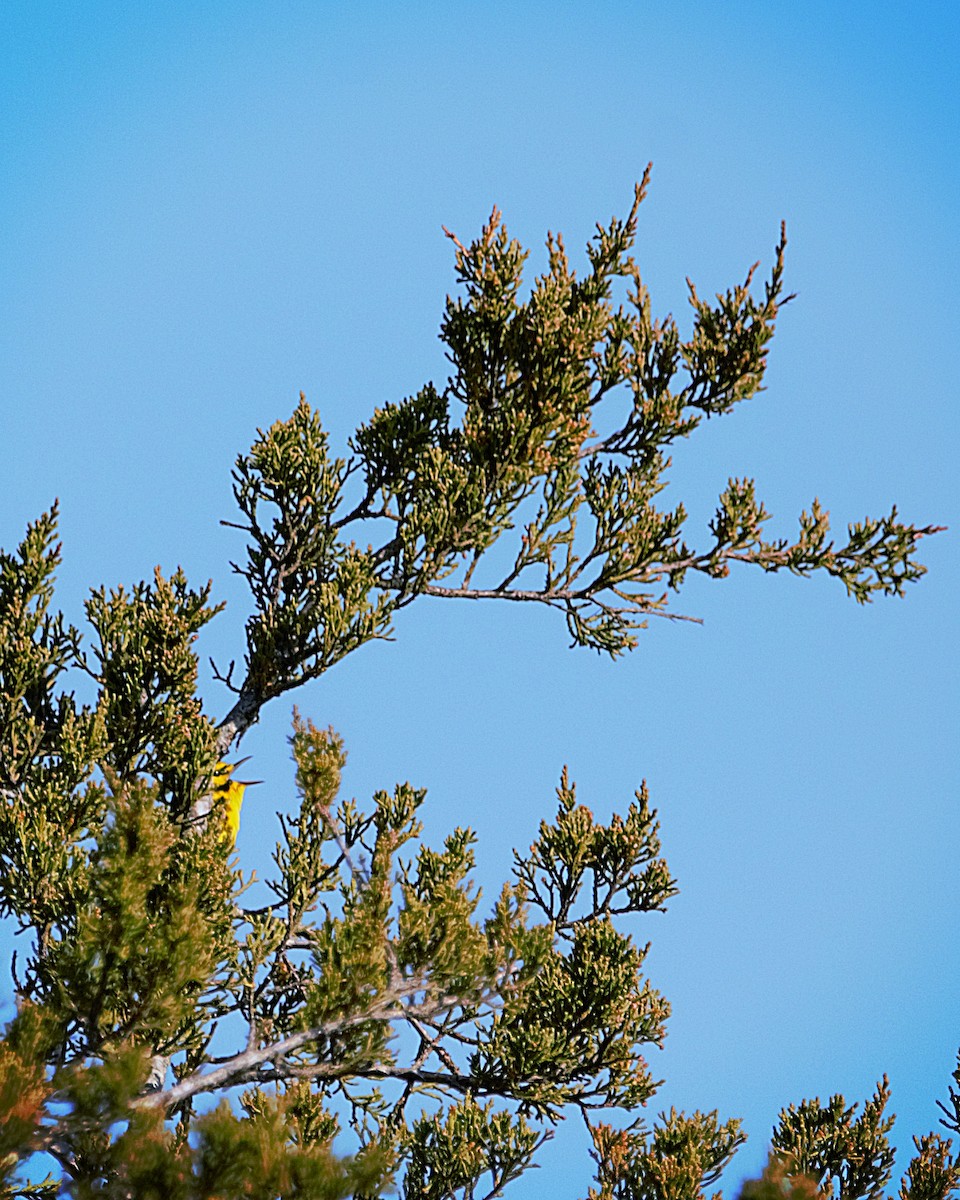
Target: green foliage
(518, 1005)
(821, 1151)
(378, 1021)
(848, 1154)
(511, 444)
(453, 1153)
(311, 589)
(778, 1183)
(138, 950)
(933, 1174)
(951, 1113)
(680, 1157)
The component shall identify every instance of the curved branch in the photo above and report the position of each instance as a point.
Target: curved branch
(245, 1066)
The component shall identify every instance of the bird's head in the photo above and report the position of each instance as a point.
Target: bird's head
(223, 774)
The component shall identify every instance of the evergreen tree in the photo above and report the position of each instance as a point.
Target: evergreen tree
(378, 1025)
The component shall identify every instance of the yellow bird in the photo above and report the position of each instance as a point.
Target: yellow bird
(228, 795)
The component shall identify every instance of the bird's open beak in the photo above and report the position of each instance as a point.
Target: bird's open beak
(243, 782)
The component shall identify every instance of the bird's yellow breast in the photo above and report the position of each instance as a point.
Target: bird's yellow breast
(227, 799)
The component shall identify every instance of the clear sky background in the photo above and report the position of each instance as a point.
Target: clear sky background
(206, 208)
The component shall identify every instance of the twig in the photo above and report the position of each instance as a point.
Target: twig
(239, 1067)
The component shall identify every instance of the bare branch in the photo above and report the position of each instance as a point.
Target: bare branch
(238, 1068)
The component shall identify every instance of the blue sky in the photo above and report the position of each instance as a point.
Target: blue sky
(207, 208)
